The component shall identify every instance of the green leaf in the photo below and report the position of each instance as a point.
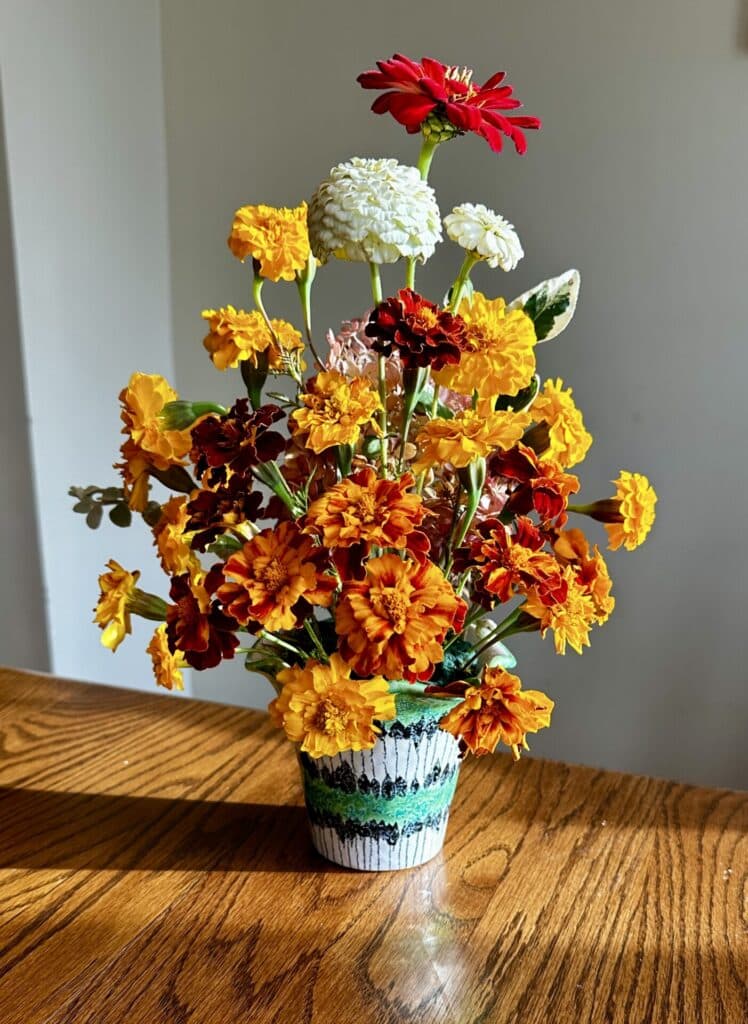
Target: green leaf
(551, 304)
(120, 514)
(175, 478)
(522, 400)
(225, 546)
(93, 519)
(82, 506)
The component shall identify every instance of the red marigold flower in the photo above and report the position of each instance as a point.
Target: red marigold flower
(239, 440)
(442, 101)
(418, 330)
(537, 484)
(508, 563)
(197, 625)
(212, 512)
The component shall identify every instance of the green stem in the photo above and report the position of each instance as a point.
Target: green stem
(383, 426)
(304, 285)
(269, 474)
(476, 478)
(375, 277)
(264, 634)
(413, 381)
(410, 272)
(504, 629)
(314, 637)
(458, 288)
(425, 157)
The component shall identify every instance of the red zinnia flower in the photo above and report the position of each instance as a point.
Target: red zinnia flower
(443, 101)
(197, 625)
(417, 329)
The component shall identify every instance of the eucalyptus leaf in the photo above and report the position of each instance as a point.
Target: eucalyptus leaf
(82, 506)
(152, 513)
(93, 519)
(120, 514)
(550, 304)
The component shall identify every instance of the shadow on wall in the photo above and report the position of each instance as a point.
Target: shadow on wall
(742, 26)
(23, 630)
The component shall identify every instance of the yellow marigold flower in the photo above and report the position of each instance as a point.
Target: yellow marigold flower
(235, 336)
(335, 410)
(172, 540)
(636, 499)
(395, 619)
(365, 509)
(167, 667)
(326, 711)
(497, 711)
(572, 548)
(571, 620)
(499, 354)
(147, 443)
(277, 238)
(569, 440)
(472, 434)
(112, 612)
(275, 577)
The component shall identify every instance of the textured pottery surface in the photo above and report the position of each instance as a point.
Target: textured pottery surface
(386, 808)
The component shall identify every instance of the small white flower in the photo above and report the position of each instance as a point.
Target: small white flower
(485, 234)
(374, 211)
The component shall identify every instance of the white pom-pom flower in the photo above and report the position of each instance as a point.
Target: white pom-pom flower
(374, 211)
(485, 234)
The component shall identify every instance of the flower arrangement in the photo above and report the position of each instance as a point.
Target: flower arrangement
(384, 523)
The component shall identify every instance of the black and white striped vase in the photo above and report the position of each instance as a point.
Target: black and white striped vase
(386, 808)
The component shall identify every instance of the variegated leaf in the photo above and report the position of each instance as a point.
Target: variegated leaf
(550, 304)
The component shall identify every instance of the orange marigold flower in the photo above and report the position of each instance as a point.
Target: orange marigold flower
(509, 563)
(275, 578)
(277, 238)
(472, 434)
(497, 711)
(636, 505)
(148, 444)
(571, 620)
(335, 410)
(395, 619)
(572, 548)
(568, 439)
(167, 667)
(326, 711)
(364, 510)
(236, 336)
(173, 540)
(498, 352)
(112, 613)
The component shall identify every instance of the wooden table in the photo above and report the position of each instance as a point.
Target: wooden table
(155, 867)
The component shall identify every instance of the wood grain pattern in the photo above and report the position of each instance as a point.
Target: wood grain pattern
(155, 867)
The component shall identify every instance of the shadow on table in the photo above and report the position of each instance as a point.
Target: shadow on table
(42, 829)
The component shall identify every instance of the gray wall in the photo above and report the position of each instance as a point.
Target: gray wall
(23, 632)
(637, 179)
(84, 123)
